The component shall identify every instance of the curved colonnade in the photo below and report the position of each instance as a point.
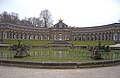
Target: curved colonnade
(98, 33)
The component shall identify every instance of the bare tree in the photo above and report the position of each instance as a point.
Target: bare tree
(35, 21)
(46, 18)
(1, 18)
(9, 17)
(4, 17)
(32, 21)
(25, 22)
(14, 18)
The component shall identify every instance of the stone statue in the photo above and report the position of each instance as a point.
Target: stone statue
(21, 50)
(96, 52)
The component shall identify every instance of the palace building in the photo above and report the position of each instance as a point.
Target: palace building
(60, 31)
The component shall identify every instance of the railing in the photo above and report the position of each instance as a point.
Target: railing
(63, 55)
(4, 55)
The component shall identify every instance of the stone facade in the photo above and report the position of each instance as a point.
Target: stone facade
(60, 31)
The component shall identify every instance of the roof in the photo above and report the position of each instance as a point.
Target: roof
(60, 24)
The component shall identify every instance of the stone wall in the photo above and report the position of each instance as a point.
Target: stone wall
(59, 65)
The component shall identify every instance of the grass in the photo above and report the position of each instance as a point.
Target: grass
(49, 55)
(58, 54)
(53, 59)
(54, 49)
(53, 55)
(28, 41)
(92, 43)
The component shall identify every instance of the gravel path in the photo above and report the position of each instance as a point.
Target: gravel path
(16, 72)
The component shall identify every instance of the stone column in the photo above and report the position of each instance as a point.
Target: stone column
(119, 35)
(96, 37)
(4, 35)
(41, 37)
(28, 36)
(32, 37)
(108, 35)
(86, 37)
(36, 37)
(0, 34)
(54, 36)
(23, 36)
(48, 37)
(104, 36)
(14, 35)
(100, 37)
(114, 36)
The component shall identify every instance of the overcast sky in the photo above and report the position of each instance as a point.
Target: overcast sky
(79, 13)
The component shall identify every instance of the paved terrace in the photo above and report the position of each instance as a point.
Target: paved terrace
(104, 72)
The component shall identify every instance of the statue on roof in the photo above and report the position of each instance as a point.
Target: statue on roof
(60, 20)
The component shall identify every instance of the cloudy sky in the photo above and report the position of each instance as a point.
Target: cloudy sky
(79, 13)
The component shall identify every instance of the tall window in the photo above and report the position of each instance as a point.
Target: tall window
(60, 36)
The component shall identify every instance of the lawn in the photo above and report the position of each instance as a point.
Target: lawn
(28, 41)
(52, 55)
(58, 54)
(55, 55)
(93, 43)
